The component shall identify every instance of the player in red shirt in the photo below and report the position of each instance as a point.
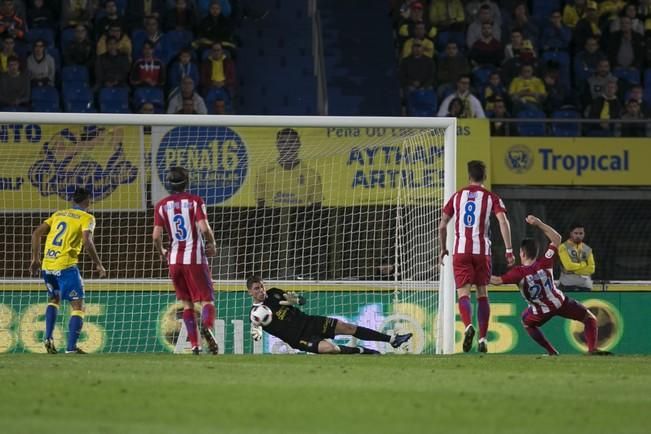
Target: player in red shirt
(184, 217)
(471, 259)
(536, 282)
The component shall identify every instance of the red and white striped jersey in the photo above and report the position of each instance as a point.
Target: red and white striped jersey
(536, 283)
(472, 206)
(179, 214)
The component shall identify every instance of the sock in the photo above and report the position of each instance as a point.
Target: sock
(191, 325)
(483, 315)
(465, 309)
(590, 333)
(208, 316)
(74, 328)
(349, 350)
(539, 337)
(51, 312)
(367, 334)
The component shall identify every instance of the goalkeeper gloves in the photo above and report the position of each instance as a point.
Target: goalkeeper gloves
(256, 332)
(510, 259)
(292, 298)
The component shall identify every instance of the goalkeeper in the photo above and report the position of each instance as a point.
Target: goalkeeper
(309, 332)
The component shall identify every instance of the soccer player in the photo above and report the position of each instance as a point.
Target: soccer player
(184, 217)
(309, 332)
(472, 206)
(536, 282)
(66, 231)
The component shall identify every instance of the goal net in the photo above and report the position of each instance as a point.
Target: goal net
(342, 210)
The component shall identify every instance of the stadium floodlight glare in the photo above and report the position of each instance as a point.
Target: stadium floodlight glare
(342, 209)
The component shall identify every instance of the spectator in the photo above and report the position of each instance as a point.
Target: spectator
(586, 61)
(473, 33)
(40, 66)
(138, 10)
(588, 26)
(417, 70)
(186, 92)
(113, 67)
(40, 16)
(572, 13)
(609, 10)
(596, 83)
(203, 7)
(10, 23)
(636, 92)
(215, 27)
(408, 26)
(498, 128)
(184, 67)
(577, 261)
(471, 105)
(644, 12)
(14, 87)
(110, 17)
(473, 8)
(606, 107)
(181, 17)
(626, 47)
(637, 24)
(76, 12)
(555, 35)
(487, 50)
(8, 44)
(527, 90)
(124, 43)
(427, 46)
(525, 56)
(218, 71)
(147, 108)
(493, 89)
(556, 91)
(633, 112)
(81, 50)
(219, 107)
(187, 107)
(451, 66)
(152, 34)
(513, 48)
(148, 70)
(455, 109)
(447, 15)
(521, 21)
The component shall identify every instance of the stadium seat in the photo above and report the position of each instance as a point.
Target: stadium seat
(481, 74)
(647, 86)
(421, 103)
(45, 99)
(45, 34)
(581, 73)
(114, 100)
(173, 42)
(531, 128)
(78, 99)
(67, 36)
(629, 75)
(153, 95)
(215, 95)
(542, 9)
(74, 73)
(562, 129)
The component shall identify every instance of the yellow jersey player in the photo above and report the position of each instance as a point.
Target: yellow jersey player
(289, 182)
(67, 230)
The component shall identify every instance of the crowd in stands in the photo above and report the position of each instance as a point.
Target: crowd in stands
(528, 59)
(118, 56)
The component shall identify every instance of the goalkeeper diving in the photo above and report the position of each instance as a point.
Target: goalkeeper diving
(309, 332)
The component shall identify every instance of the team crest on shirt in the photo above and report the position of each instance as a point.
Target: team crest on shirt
(519, 158)
(549, 253)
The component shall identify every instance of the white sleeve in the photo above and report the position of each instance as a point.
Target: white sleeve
(477, 108)
(445, 105)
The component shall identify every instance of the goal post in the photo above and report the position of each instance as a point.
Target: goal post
(343, 209)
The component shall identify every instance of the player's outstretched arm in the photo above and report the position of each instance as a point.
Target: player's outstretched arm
(292, 298)
(92, 251)
(550, 232)
(38, 233)
(443, 237)
(157, 239)
(505, 230)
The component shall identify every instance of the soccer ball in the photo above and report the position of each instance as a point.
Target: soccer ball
(261, 315)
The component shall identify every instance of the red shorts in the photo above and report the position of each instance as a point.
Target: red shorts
(471, 269)
(570, 309)
(192, 282)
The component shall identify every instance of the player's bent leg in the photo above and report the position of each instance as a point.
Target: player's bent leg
(483, 317)
(531, 323)
(363, 333)
(207, 324)
(75, 325)
(572, 309)
(51, 312)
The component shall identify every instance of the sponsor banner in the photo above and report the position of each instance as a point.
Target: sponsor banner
(328, 166)
(43, 164)
(570, 161)
(149, 321)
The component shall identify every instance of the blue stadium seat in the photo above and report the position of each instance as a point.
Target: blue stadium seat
(531, 128)
(421, 103)
(216, 95)
(78, 100)
(74, 73)
(173, 42)
(153, 95)
(45, 34)
(481, 74)
(542, 9)
(629, 75)
(581, 73)
(647, 86)
(443, 38)
(67, 36)
(563, 60)
(114, 100)
(45, 99)
(562, 129)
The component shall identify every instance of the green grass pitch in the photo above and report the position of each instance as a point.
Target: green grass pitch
(162, 394)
